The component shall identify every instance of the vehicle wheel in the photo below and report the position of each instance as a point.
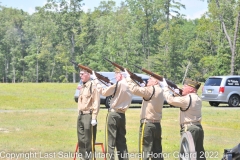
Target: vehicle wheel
(233, 101)
(187, 147)
(215, 104)
(107, 102)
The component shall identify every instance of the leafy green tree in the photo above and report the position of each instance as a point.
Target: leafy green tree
(40, 32)
(145, 18)
(67, 15)
(152, 34)
(12, 43)
(226, 12)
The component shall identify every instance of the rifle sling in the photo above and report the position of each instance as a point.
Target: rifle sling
(151, 95)
(115, 90)
(190, 102)
(90, 88)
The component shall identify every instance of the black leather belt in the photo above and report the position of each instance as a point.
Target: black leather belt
(186, 124)
(116, 110)
(149, 121)
(85, 112)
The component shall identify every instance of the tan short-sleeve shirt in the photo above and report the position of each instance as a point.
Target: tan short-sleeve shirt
(193, 114)
(151, 109)
(89, 99)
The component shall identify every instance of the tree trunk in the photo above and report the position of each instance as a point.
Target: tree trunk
(72, 56)
(52, 72)
(23, 73)
(6, 70)
(234, 43)
(232, 46)
(14, 72)
(37, 65)
(185, 75)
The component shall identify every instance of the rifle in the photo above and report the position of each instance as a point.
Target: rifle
(132, 75)
(171, 84)
(100, 77)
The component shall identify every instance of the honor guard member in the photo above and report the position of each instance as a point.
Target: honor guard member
(190, 112)
(88, 108)
(120, 101)
(150, 140)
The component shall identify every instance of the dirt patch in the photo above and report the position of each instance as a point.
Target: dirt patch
(4, 130)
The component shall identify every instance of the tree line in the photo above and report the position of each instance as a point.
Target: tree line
(153, 34)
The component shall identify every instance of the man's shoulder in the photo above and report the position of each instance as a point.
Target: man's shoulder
(193, 96)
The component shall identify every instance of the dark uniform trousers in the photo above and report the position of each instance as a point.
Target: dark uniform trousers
(116, 131)
(86, 132)
(150, 141)
(198, 136)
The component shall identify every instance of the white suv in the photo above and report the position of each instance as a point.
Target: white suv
(222, 89)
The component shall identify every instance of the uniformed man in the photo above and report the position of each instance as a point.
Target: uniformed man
(190, 112)
(121, 99)
(88, 108)
(150, 141)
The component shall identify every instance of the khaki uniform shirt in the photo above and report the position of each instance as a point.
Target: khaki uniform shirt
(152, 109)
(122, 98)
(89, 99)
(193, 114)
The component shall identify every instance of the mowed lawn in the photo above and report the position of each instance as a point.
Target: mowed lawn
(39, 121)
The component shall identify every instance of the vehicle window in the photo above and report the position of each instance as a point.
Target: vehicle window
(213, 82)
(232, 82)
(145, 80)
(80, 82)
(112, 79)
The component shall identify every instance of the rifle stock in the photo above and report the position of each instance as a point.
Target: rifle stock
(160, 78)
(100, 77)
(132, 75)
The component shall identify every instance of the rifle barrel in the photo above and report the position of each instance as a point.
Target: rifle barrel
(137, 67)
(107, 59)
(132, 75)
(73, 62)
(160, 78)
(89, 70)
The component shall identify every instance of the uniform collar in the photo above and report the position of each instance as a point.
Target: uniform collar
(193, 93)
(87, 84)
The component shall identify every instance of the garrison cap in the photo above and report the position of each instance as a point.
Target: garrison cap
(117, 70)
(192, 83)
(83, 70)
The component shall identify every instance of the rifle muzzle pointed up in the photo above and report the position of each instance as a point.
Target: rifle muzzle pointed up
(137, 67)
(73, 62)
(107, 59)
(132, 75)
(160, 78)
(115, 64)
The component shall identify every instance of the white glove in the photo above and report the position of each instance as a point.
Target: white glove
(93, 75)
(176, 91)
(163, 83)
(93, 122)
(125, 73)
(109, 84)
(142, 84)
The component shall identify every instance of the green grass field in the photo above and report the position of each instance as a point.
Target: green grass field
(39, 120)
